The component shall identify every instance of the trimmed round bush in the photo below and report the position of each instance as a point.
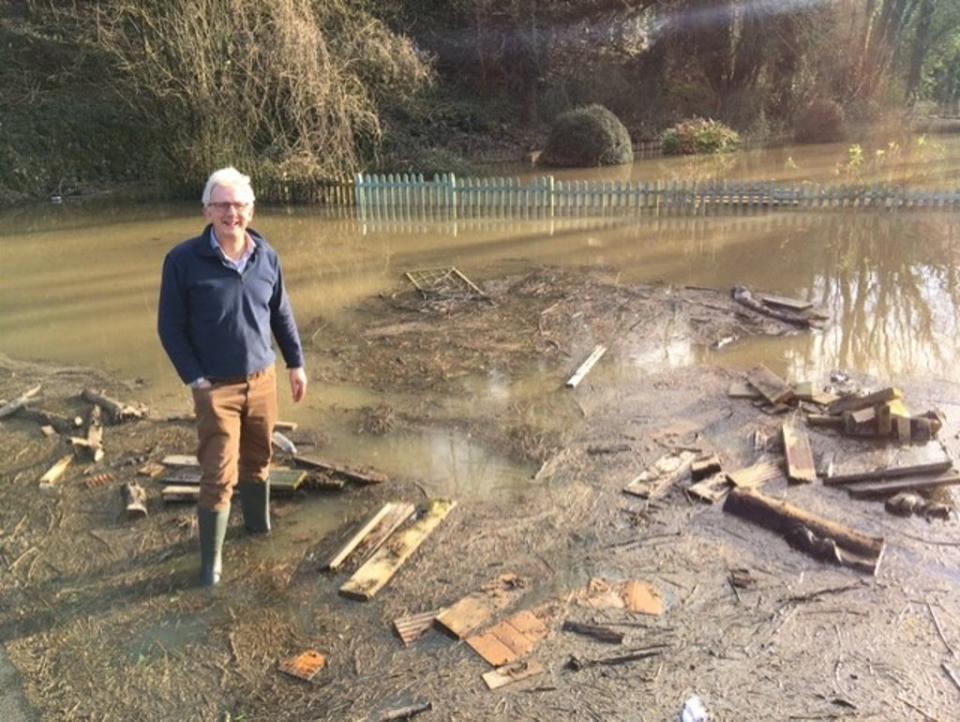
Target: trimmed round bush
(820, 122)
(587, 137)
(698, 135)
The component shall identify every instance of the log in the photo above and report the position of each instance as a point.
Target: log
(744, 297)
(585, 367)
(117, 411)
(364, 476)
(854, 549)
(19, 402)
(893, 472)
(380, 568)
(800, 464)
(855, 403)
(136, 500)
(601, 634)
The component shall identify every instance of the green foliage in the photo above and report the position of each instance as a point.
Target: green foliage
(587, 137)
(699, 135)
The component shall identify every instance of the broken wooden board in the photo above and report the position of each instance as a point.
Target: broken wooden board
(135, 498)
(855, 403)
(794, 304)
(174, 493)
(751, 477)
(586, 366)
(890, 472)
(641, 598)
(773, 388)
(53, 474)
(848, 547)
(513, 672)
(712, 489)
(511, 639)
(796, 446)
(414, 626)
(401, 512)
(304, 666)
(655, 481)
(866, 489)
(364, 529)
(363, 476)
(470, 612)
(380, 568)
(742, 390)
(282, 480)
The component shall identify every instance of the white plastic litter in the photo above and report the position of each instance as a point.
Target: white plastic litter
(693, 711)
(283, 443)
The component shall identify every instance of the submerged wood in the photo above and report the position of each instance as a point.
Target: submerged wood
(364, 476)
(20, 401)
(744, 297)
(857, 550)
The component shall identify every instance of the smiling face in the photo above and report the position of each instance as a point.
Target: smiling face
(230, 210)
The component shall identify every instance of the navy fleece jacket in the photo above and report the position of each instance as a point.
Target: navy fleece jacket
(217, 323)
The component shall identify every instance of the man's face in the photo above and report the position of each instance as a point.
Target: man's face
(230, 211)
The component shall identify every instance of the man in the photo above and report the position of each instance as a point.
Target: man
(222, 297)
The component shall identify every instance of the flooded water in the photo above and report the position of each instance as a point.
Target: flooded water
(80, 284)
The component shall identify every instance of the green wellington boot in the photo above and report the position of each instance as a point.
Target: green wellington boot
(255, 502)
(213, 528)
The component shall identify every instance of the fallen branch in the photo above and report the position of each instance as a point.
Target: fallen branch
(811, 596)
(576, 664)
(601, 634)
(117, 411)
(20, 401)
(405, 712)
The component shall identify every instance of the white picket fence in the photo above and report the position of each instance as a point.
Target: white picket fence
(400, 196)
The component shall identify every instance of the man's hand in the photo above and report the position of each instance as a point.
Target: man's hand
(298, 384)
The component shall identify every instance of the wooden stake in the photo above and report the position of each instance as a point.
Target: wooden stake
(585, 367)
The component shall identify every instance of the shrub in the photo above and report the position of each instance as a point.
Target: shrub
(820, 122)
(698, 135)
(587, 136)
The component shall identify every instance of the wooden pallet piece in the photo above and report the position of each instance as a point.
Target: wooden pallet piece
(510, 639)
(337, 560)
(386, 561)
(756, 475)
(413, 627)
(655, 481)
(865, 489)
(855, 403)
(363, 476)
(473, 610)
(513, 672)
(857, 550)
(400, 513)
(773, 388)
(796, 445)
(892, 472)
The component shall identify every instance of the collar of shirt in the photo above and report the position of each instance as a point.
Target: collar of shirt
(239, 264)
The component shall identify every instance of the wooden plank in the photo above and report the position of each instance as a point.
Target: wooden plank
(513, 672)
(53, 474)
(174, 493)
(365, 528)
(773, 388)
(282, 479)
(655, 481)
(796, 445)
(712, 489)
(756, 475)
(794, 304)
(414, 626)
(851, 548)
(491, 649)
(908, 483)
(854, 403)
(364, 476)
(892, 472)
(586, 366)
(742, 390)
(470, 612)
(380, 568)
(384, 528)
(902, 424)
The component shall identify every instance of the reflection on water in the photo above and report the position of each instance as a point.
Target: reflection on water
(80, 286)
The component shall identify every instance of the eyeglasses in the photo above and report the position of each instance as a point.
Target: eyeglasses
(224, 206)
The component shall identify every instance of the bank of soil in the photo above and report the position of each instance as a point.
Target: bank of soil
(101, 619)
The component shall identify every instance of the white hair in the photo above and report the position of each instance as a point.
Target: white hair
(231, 178)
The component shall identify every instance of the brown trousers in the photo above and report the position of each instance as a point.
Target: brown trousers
(235, 420)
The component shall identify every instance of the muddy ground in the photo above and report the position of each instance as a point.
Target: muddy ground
(101, 619)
